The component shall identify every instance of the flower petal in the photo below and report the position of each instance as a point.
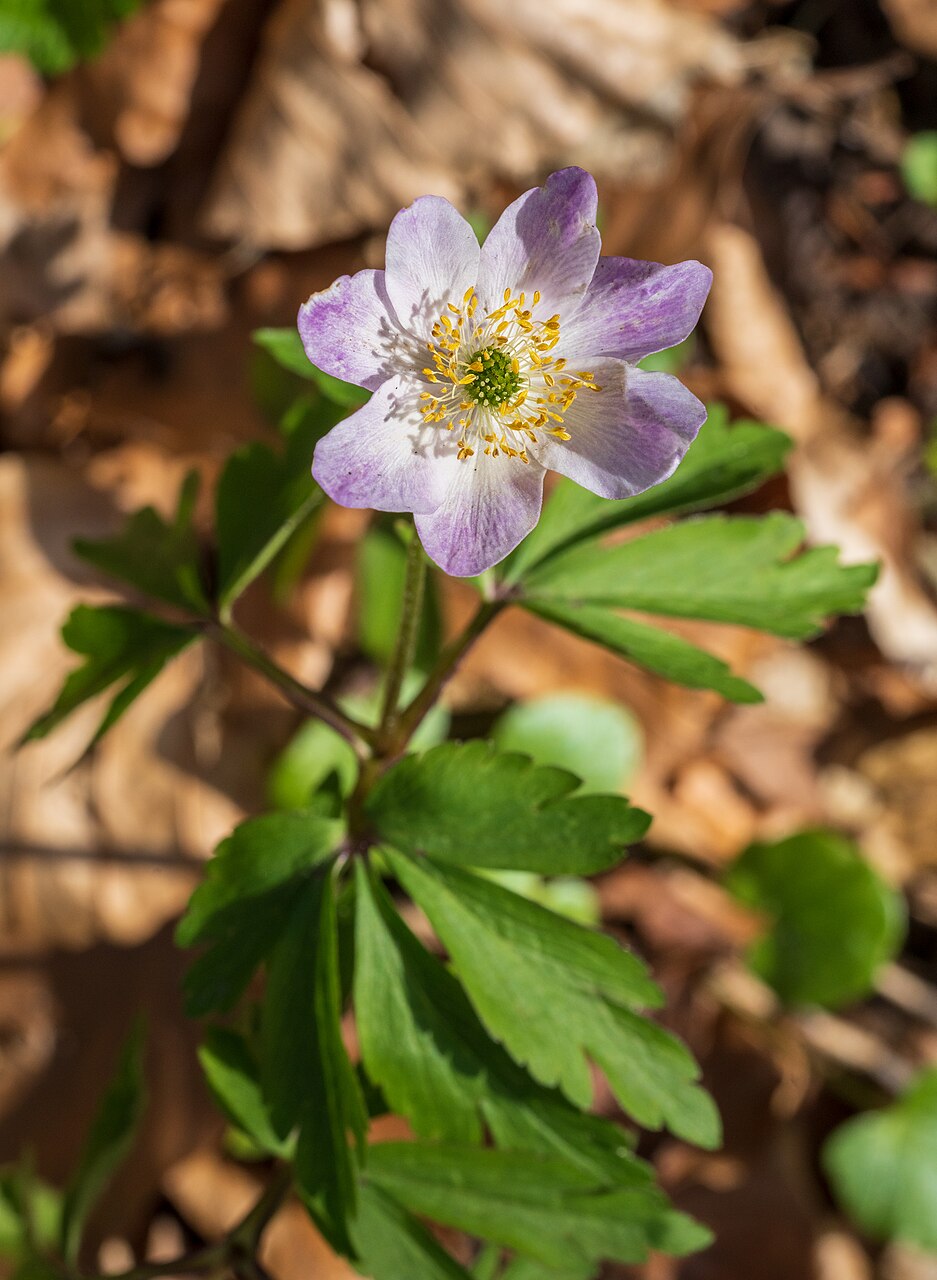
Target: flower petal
(351, 331)
(432, 259)
(628, 436)
(547, 240)
(492, 504)
(384, 456)
(633, 308)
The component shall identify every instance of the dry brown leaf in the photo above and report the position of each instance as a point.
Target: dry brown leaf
(324, 147)
(848, 492)
(914, 23)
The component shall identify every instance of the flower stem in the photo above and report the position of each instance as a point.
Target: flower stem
(410, 614)
(413, 715)
(302, 697)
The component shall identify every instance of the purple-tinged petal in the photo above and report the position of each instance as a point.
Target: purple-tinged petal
(491, 506)
(627, 437)
(634, 308)
(384, 456)
(547, 240)
(350, 330)
(431, 260)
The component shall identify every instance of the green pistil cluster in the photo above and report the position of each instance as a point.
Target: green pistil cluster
(496, 381)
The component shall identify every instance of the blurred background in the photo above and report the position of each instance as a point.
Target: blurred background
(174, 183)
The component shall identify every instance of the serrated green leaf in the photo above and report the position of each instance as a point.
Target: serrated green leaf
(55, 34)
(286, 347)
(392, 1245)
(307, 1078)
(739, 570)
(240, 909)
(118, 644)
(423, 1044)
(261, 499)
(379, 584)
(233, 1076)
(659, 651)
(594, 738)
(528, 971)
(159, 559)
(723, 462)
(108, 1143)
(883, 1167)
(543, 1207)
(468, 804)
(808, 953)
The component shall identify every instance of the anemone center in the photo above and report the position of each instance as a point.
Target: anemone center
(497, 379)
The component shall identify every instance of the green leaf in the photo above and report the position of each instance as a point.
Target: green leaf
(543, 1207)
(108, 1143)
(382, 567)
(30, 1213)
(809, 953)
(468, 804)
(741, 570)
(659, 651)
(392, 1245)
(528, 972)
(245, 901)
(919, 166)
(55, 34)
(286, 347)
(722, 463)
(159, 559)
(673, 360)
(233, 1076)
(423, 1044)
(308, 1081)
(118, 644)
(594, 738)
(261, 500)
(883, 1167)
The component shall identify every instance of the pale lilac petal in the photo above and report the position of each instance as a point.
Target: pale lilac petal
(432, 259)
(491, 506)
(351, 331)
(634, 308)
(628, 436)
(384, 456)
(547, 240)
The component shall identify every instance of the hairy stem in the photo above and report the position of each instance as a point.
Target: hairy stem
(302, 697)
(411, 609)
(413, 715)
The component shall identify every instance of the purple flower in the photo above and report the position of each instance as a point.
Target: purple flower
(491, 366)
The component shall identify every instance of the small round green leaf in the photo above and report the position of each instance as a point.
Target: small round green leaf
(883, 1167)
(919, 166)
(593, 738)
(831, 920)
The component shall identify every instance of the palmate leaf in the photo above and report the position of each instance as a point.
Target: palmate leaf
(307, 1078)
(423, 1044)
(723, 462)
(807, 953)
(261, 500)
(233, 1075)
(659, 651)
(469, 804)
(108, 1143)
(120, 646)
(241, 908)
(159, 559)
(54, 34)
(286, 347)
(883, 1167)
(737, 570)
(528, 971)
(541, 1206)
(392, 1245)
